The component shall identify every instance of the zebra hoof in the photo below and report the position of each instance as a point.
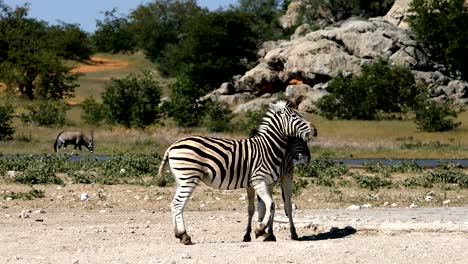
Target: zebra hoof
(247, 238)
(259, 232)
(294, 236)
(185, 239)
(270, 238)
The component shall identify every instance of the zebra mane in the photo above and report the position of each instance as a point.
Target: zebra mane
(274, 108)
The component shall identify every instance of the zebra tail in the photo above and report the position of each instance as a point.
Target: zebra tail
(162, 180)
(56, 139)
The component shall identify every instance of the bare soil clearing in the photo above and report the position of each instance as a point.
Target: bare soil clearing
(133, 224)
(101, 64)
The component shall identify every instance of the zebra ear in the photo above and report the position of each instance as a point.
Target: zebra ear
(279, 107)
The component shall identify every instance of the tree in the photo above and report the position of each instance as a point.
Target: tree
(159, 23)
(211, 50)
(132, 101)
(381, 88)
(441, 26)
(6, 118)
(69, 42)
(113, 34)
(184, 106)
(27, 60)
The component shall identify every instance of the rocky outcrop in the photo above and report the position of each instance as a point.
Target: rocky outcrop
(303, 65)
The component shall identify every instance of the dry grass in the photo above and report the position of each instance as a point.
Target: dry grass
(339, 138)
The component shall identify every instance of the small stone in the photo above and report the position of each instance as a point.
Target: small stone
(84, 197)
(185, 255)
(394, 205)
(446, 202)
(367, 205)
(76, 261)
(413, 205)
(386, 204)
(103, 211)
(354, 207)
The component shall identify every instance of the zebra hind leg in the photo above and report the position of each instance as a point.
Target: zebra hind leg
(181, 197)
(264, 192)
(251, 211)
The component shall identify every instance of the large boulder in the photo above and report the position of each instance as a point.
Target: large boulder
(311, 60)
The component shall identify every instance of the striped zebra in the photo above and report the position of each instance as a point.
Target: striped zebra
(297, 152)
(233, 164)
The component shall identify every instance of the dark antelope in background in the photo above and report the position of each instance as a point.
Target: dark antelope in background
(77, 139)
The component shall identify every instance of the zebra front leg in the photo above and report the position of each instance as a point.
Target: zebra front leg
(251, 211)
(286, 188)
(178, 204)
(264, 192)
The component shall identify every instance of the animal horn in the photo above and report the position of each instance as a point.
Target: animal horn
(92, 136)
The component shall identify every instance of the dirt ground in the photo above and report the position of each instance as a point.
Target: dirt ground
(133, 224)
(101, 64)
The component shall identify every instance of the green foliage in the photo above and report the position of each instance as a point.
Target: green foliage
(211, 51)
(113, 34)
(217, 118)
(400, 167)
(371, 182)
(322, 171)
(380, 89)
(251, 120)
(70, 42)
(46, 113)
(184, 106)
(30, 58)
(132, 101)
(93, 112)
(432, 116)
(123, 168)
(6, 117)
(337, 10)
(29, 195)
(441, 26)
(158, 24)
(445, 174)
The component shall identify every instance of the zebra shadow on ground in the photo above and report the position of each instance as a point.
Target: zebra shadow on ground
(334, 233)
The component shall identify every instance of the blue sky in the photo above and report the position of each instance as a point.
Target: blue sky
(85, 12)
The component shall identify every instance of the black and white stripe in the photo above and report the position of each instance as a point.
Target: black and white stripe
(231, 164)
(297, 152)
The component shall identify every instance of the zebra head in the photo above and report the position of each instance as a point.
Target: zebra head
(287, 121)
(298, 151)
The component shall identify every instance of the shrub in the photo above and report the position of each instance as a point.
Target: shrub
(29, 195)
(380, 89)
(433, 117)
(46, 113)
(218, 117)
(184, 106)
(371, 182)
(251, 121)
(133, 100)
(441, 26)
(93, 112)
(6, 117)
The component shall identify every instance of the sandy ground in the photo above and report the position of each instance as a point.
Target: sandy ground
(132, 224)
(100, 64)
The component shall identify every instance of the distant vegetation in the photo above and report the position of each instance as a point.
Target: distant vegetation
(195, 50)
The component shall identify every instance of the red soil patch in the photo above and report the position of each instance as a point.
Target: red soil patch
(101, 64)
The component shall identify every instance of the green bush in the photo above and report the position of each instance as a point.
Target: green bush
(93, 112)
(46, 113)
(381, 89)
(371, 182)
(441, 26)
(132, 101)
(251, 121)
(218, 117)
(6, 117)
(434, 117)
(29, 195)
(184, 106)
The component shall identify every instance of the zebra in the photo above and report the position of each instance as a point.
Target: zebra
(77, 139)
(232, 164)
(297, 152)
